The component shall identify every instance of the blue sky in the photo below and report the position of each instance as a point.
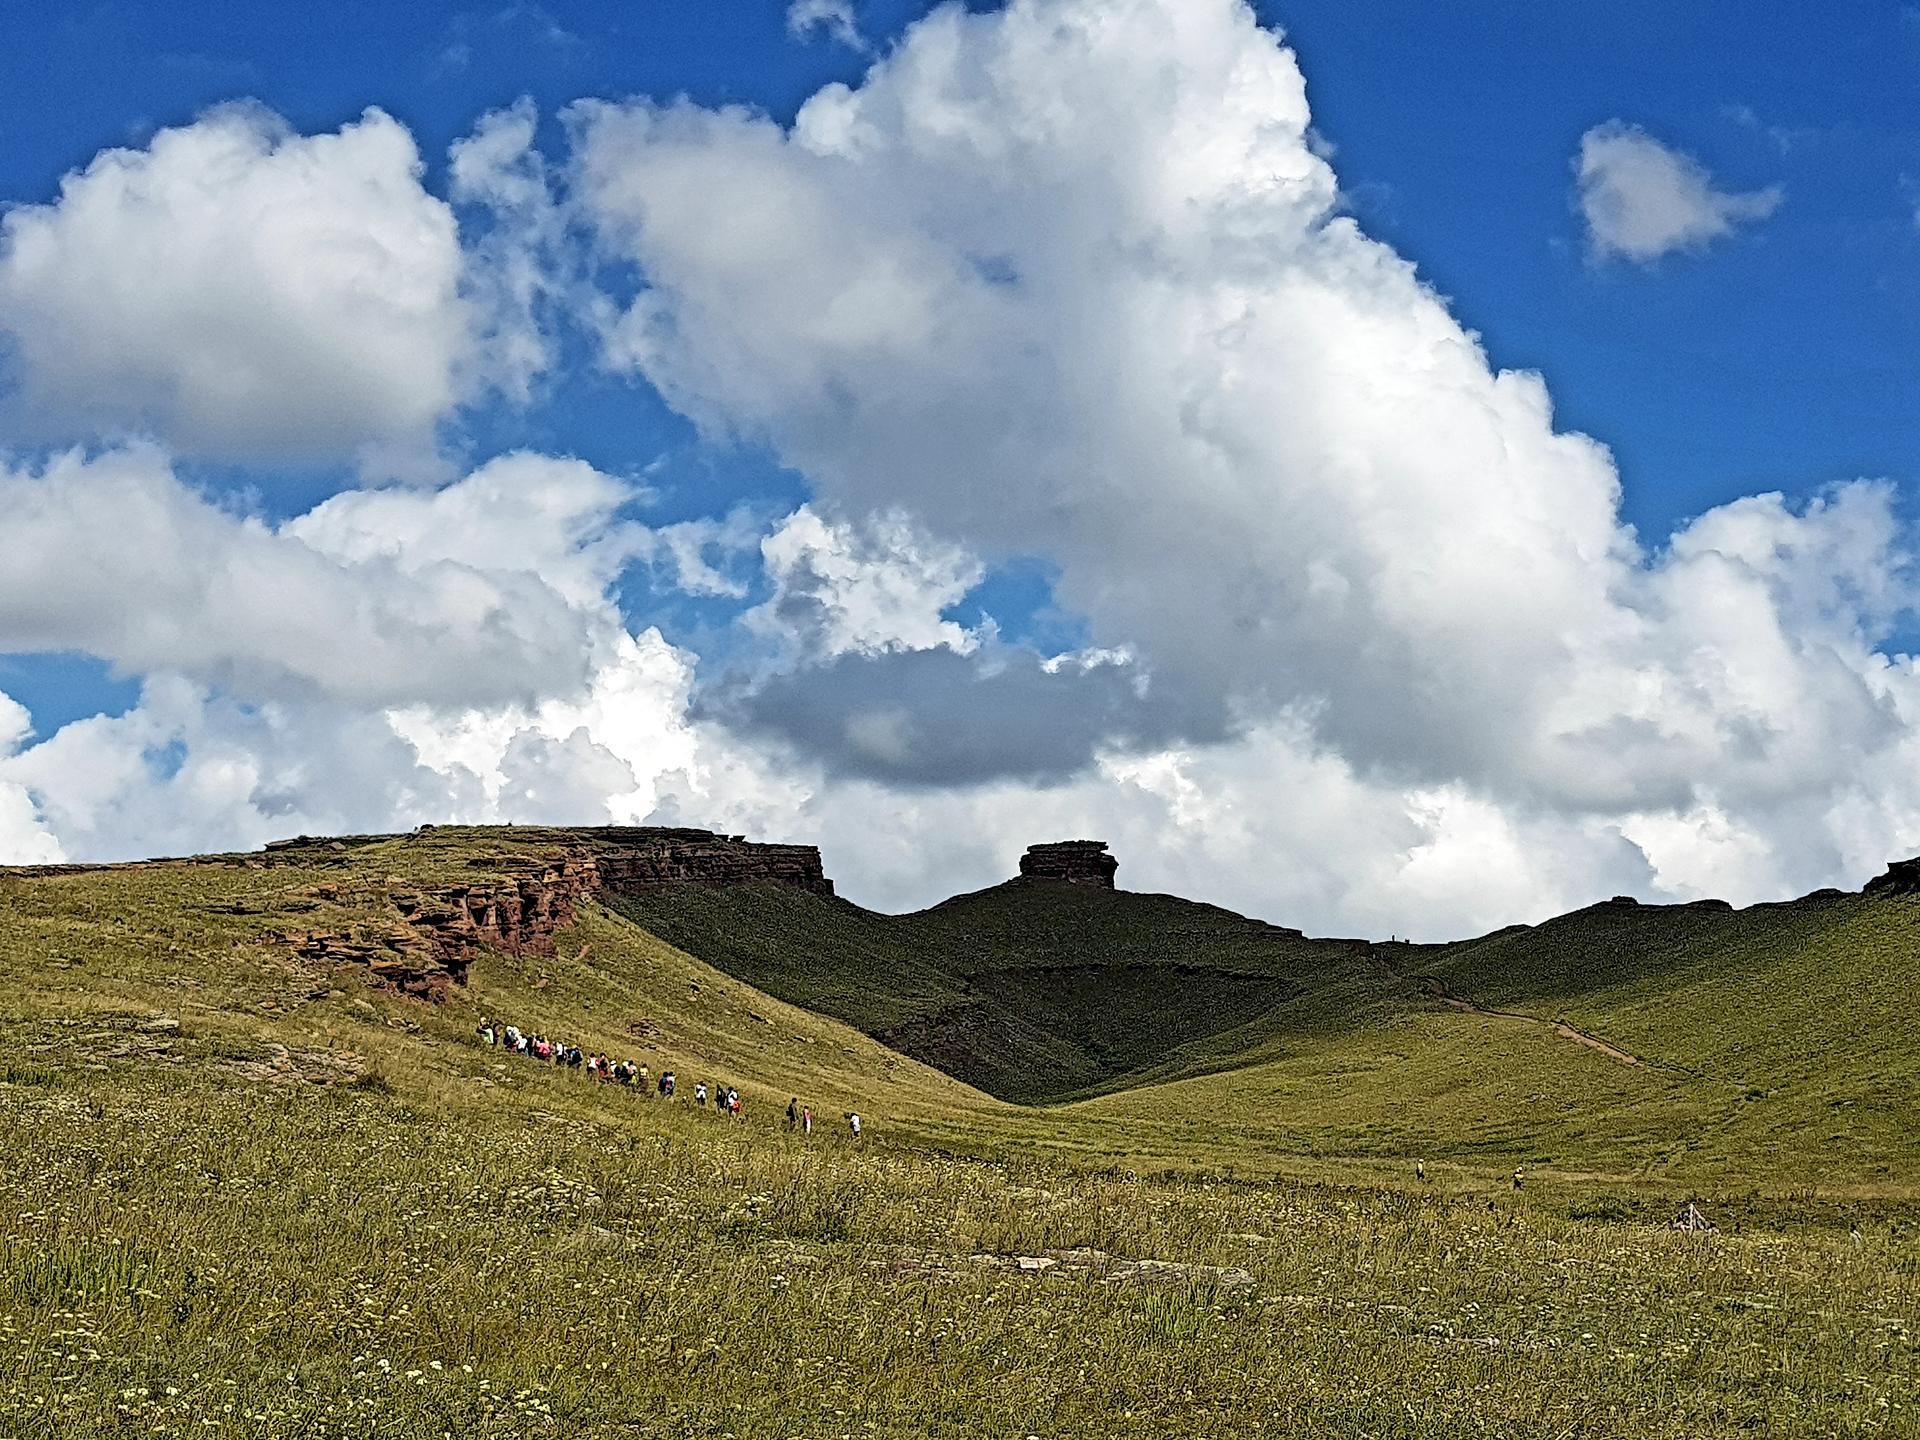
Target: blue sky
(1777, 357)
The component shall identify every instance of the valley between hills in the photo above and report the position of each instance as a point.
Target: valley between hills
(268, 1180)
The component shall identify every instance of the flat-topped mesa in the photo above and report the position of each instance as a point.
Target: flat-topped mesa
(1078, 862)
(634, 859)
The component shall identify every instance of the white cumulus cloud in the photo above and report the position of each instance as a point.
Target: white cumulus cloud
(519, 270)
(869, 588)
(1642, 199)
(835, 17)
(24, 839)
(486, 589)
(239, 290)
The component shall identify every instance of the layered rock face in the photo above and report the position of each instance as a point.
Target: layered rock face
(638, 858)
(1078, 862)
(521, 902)
(439, 931)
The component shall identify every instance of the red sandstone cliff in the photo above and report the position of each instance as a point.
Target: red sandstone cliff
(423, 940)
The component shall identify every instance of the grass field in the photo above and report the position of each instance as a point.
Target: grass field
(250, 1196)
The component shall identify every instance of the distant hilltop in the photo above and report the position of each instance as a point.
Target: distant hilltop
(619, 857)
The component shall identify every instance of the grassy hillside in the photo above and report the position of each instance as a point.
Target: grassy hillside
(247, 1195)
(1032, 990)
(1678, 1045)
(89, 956)
(1794, 1029)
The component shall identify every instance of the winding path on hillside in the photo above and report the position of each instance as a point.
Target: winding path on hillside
(1559, 1027)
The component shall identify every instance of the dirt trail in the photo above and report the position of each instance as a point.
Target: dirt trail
(1559, 1027)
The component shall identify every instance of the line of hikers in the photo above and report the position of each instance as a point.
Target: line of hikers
(609, 1071)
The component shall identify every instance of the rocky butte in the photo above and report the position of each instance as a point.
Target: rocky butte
(1078, 862)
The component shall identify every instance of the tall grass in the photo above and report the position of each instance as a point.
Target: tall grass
(186, 1258)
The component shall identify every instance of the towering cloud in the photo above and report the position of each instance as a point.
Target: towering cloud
(1070, 279)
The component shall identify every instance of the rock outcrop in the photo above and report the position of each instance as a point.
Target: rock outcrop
(634, 859)
(421, 940)
(1078, 862)
(1902, 878)
(437, 932)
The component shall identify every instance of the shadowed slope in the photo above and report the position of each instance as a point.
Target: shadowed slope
(1640, 1040)
(1032, 990)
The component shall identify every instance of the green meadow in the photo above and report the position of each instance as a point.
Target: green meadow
(250, 1195)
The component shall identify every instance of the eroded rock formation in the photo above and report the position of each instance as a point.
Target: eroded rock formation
(639, 858)
(1079, 862)
(422, 939)
(436, 932)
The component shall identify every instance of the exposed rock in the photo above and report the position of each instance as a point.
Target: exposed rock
(1086, 1265)
(520, 902)
(441, 931)
(635, 859)
(1155, 1273)
(280, 1065)
(1079, 862)
(1693, 1222)
(1902, 878)
(394, 958)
